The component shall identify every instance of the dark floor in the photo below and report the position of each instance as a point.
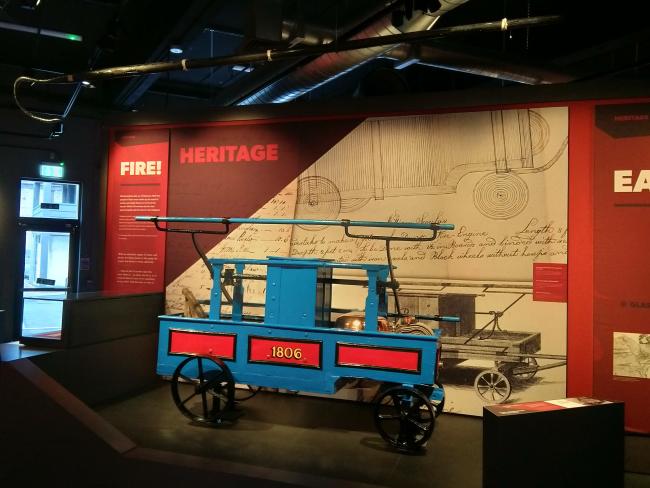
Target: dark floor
(321, 437)
(330, 438)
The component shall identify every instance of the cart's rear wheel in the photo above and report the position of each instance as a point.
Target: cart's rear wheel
(401, 419)
(203, 389)
(526, 369)
(492, 386)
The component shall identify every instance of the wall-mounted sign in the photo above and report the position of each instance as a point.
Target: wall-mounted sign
(621, 296)
(137, 185)
(51, 170)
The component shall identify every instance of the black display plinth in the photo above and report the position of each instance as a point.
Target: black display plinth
(571, 442)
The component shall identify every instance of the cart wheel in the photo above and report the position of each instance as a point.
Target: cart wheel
(243, 394)
(439, 407)
(203, 389)
(526, 369)
(401, 421)
(492, 386)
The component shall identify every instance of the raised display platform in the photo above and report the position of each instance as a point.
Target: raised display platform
(566, 442)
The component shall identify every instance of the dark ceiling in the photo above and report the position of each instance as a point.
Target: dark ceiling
(591, 42)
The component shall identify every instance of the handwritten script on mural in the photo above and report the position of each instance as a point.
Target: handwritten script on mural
(536, 240)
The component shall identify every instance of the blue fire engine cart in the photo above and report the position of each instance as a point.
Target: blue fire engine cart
(296, 344)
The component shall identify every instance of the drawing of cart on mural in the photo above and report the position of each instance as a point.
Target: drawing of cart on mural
(515, 355)
(405, 156)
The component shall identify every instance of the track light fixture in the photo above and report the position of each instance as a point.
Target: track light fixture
(29, 4)
(405, 12)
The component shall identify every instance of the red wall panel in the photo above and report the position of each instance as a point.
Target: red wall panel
(137, 185)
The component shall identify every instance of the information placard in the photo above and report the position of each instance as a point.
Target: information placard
(137, 185)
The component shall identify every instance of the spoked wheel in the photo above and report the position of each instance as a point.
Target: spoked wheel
(492, 386)
(404, 418)
(203, 389)
(526, 369)
(427, 391)
(439, 407)
(243, 394)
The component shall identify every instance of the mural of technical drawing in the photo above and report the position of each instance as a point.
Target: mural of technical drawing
(631, 355)
(429, 154)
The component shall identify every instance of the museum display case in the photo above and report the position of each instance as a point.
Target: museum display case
(63, 319)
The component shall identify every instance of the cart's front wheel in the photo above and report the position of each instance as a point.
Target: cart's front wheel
(404, 417)
(203, 389)
(492, 386)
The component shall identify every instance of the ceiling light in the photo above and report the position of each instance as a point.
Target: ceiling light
(175, 49)
(87, 84)
(239, 67)
(30, 4)
(40, 32)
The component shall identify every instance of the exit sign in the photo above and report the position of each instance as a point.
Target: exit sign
(51, 170)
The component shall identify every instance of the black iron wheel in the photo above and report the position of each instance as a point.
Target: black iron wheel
(243, 394)
(427, 391)
(203, 389)
(404, 418)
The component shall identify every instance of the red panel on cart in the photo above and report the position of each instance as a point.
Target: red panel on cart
(389, 358)
(194, 343)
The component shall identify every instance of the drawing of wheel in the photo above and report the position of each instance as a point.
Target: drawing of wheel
(404, 418)
(243, 394)
(526, 369)
(501, 196)
(318, 198)
(492, 386)
(203, 389)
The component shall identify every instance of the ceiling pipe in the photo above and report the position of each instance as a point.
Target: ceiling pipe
(271, 55)
(307, 35)
(242, 86)
(292, 32)
(475, 62)
(364, 45)
(442, 55)
(330, 66)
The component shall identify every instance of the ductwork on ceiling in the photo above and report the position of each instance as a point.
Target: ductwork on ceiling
(332, 65)
(475, 62)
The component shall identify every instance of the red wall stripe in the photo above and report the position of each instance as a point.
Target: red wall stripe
(580, 243)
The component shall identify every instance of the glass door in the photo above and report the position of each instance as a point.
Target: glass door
(46, 281)
(48, 220)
